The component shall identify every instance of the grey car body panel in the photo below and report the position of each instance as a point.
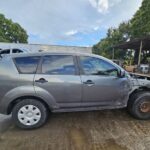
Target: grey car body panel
(14, 94)
(139, 81)
(14, 85)
(105, 90)
(46, 96)
(27, 91)
(88, 108)
(65, 92)
(68, 87)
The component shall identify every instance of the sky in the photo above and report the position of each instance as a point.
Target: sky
(68, 22)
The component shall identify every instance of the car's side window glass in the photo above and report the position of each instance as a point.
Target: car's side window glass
(5, 52)
(58, 65)
(96, 66)
(17, 51)
(27, 65)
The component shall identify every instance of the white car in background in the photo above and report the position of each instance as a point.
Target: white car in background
(12, 51)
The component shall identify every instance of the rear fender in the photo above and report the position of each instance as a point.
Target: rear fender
(25, 91)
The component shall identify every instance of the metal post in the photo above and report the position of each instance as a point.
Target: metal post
(113, 54)
(139, 59)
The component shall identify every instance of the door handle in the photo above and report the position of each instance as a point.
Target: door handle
(89, 82)
(41, 80)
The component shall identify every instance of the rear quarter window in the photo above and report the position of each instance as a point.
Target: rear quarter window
(27, 65)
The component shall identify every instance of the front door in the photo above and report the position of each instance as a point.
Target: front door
(58, 76)
(101, 85)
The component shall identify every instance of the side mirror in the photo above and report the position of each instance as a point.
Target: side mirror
(121, 73)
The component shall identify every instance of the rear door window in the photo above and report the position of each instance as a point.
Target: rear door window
(58, 65)
(27, 65)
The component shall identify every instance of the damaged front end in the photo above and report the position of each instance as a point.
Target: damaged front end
(139, 81)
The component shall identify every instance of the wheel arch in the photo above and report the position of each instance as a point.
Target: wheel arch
(134, 103)
(138, 90)
(18, 99)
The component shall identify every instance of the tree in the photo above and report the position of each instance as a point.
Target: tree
(11, 32)
(140, 23)
(114, 37)
(103, 48)
(138, 26)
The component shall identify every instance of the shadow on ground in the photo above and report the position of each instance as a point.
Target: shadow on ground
(99, 130)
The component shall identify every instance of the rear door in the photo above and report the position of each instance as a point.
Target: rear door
(58, 75)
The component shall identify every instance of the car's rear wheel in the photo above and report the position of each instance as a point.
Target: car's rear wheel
(139, 105)
(29, 114)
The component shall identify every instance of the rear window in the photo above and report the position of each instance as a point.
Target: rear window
(27, 65)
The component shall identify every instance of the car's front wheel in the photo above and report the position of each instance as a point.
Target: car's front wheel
(29, 114)
(139, 105)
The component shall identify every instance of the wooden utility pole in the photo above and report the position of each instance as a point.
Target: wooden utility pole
(113, 54)
(139, 59)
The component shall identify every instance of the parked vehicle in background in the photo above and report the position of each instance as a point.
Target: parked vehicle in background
(45, 47)
(144, 68)
(32, 85)
(12, 51)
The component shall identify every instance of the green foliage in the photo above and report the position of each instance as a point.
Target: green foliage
(114, 36)
(140, 23)
(138, 26)
(11, 32)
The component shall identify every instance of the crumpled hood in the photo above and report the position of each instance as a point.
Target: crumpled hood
(140, 80)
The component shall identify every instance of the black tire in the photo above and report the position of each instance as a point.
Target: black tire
(135, 104)
(41, 107)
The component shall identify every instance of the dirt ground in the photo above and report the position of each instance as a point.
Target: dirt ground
(99, 130)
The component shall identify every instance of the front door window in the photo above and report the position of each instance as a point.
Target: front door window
(96, 66)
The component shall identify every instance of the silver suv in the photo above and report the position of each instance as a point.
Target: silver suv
(32, 85)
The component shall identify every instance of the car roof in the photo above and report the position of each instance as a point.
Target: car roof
(52, 53)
